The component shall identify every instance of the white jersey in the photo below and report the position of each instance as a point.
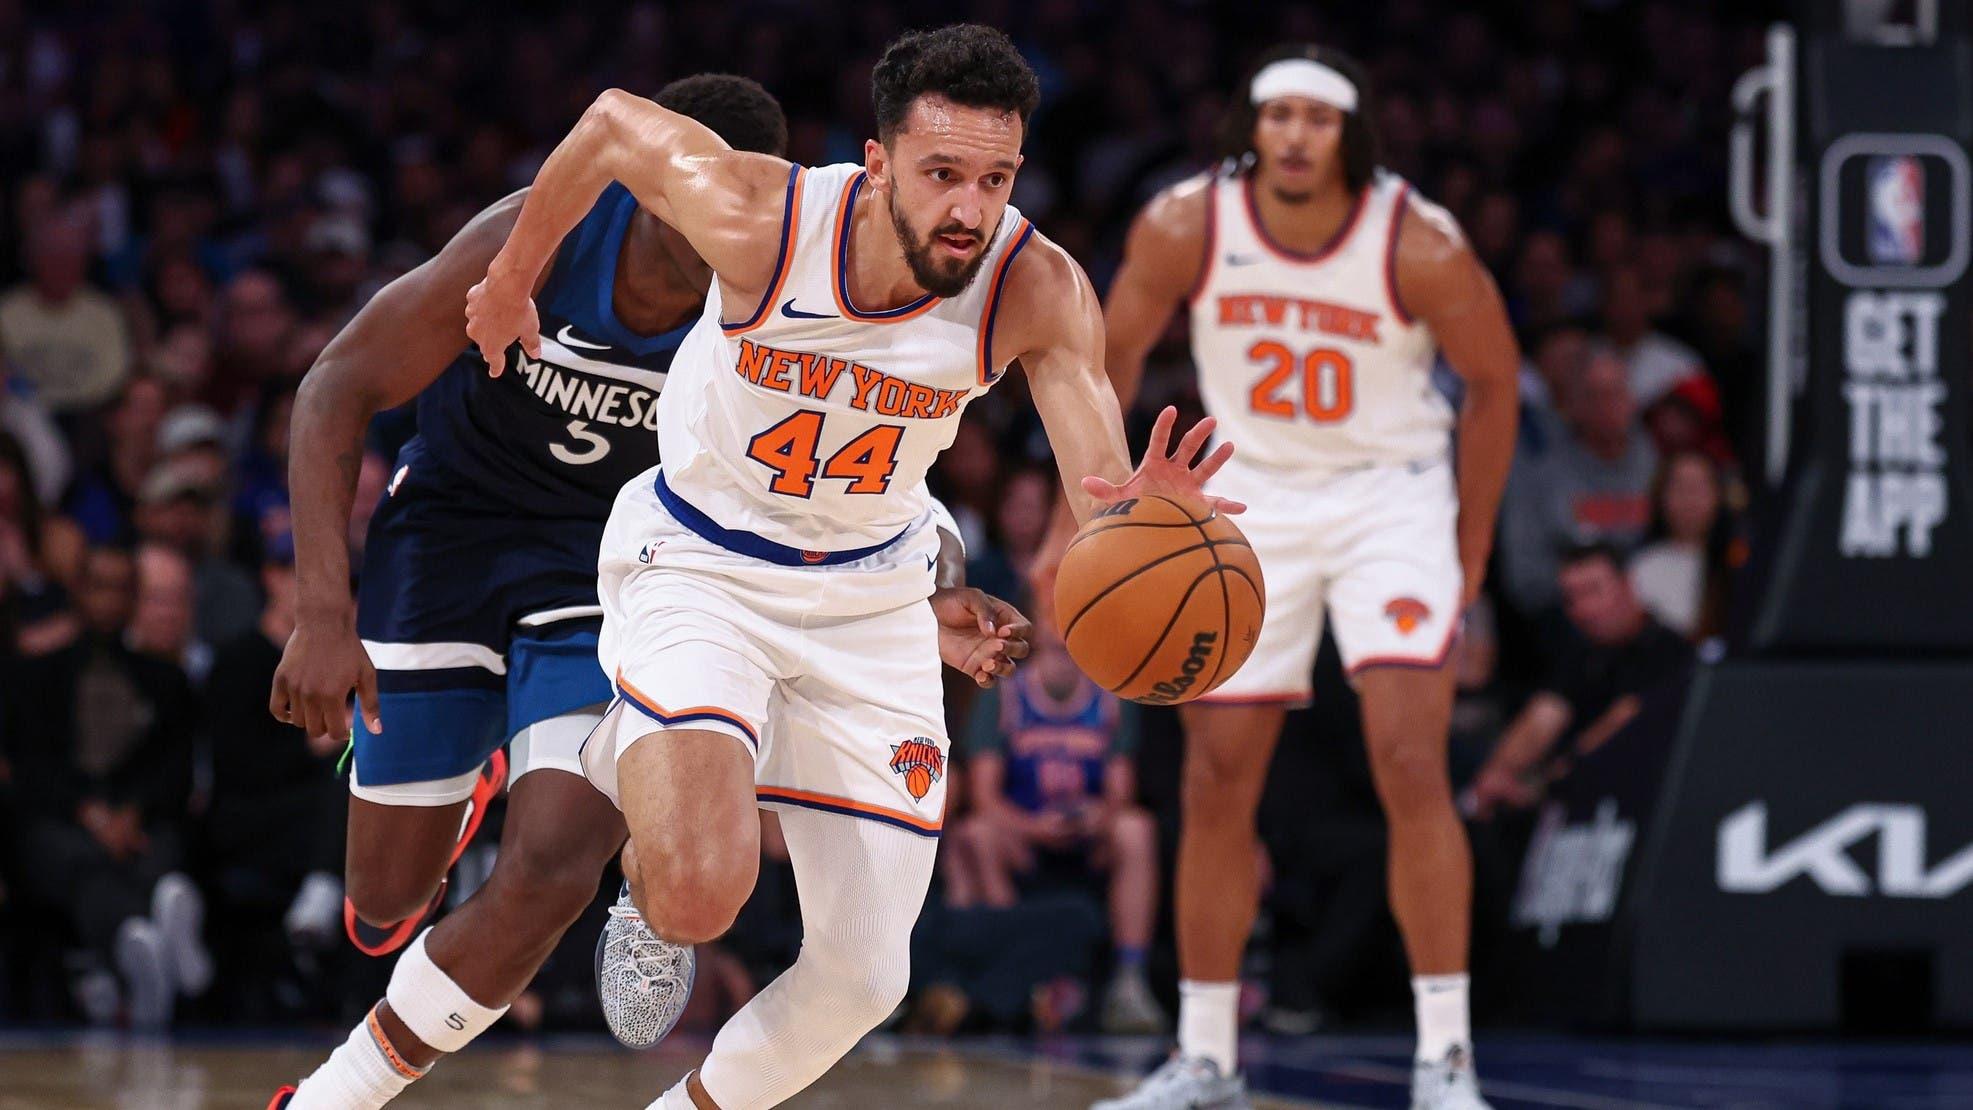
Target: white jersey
(810, 423)
(1309, 361)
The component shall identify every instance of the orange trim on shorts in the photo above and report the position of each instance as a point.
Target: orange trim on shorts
(650, 708)
(390, 1051)
(849, 807)
(792, 217)
(1411, 661)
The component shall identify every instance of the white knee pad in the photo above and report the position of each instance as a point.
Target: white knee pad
(431, 1005)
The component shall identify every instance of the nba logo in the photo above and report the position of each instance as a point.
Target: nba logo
(1894, 202)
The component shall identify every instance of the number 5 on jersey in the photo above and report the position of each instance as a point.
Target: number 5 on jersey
(791, 449)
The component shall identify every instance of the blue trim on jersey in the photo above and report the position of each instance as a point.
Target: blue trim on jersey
(842, 264)
(757, 546)
(988, 374)
(780, 258)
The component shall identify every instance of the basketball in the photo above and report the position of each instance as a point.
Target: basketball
(1159, 603)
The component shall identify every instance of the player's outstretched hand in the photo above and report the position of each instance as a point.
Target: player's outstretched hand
(980, 635)
(497, 317)
(1172, 475)
(319, 668)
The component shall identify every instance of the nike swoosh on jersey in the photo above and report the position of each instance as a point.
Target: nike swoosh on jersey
(1242, 259)
(567, 338)
(791, 312)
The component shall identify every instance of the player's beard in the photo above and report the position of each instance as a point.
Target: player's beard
(944, 277)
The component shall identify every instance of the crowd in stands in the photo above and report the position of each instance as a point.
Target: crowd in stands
(195, 197)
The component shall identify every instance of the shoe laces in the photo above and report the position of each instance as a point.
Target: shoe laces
(654, 959)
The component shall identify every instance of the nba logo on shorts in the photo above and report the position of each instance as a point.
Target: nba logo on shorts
(1894, 203)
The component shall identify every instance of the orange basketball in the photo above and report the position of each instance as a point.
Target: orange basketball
(1159, 603)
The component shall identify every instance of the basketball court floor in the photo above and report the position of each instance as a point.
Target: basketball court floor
(60, 1072)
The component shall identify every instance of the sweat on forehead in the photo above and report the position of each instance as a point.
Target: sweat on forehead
(934, 114)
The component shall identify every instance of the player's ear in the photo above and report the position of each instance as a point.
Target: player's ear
(877, 163)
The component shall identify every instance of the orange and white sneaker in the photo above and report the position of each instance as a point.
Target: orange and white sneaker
(382, 940)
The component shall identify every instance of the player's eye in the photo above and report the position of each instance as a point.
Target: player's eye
(995, 180)
(942, 176)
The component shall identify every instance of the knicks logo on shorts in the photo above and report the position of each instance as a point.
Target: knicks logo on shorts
(921, 763)
(1407, 613)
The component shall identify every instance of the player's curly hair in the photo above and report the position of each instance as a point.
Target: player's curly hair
(967, 63)
(1361, 155)
(736, 108)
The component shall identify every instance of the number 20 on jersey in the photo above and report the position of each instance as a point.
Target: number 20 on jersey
(1328, 388)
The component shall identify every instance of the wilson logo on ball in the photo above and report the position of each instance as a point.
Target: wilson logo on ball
(1173, 689)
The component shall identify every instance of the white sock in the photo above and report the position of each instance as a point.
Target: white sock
(363, 1074)
(1442, 1015)
(678, 1098)
(1209, 1022)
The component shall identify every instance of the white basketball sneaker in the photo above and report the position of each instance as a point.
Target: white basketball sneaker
(1447, 1083)
(643, 981)
(1184, 1083)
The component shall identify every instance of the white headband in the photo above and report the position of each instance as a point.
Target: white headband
(1303, 77)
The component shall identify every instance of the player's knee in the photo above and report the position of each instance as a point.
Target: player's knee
(1220, 784)
(555, 886)
(383, 897)
(692, 896)
(868, 991)
(1411, 775)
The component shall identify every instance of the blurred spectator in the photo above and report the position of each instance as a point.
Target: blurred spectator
(1054, 794)
(1681, 575)
(1655, 362)
(40, 555)
(193, 438)
(1593, 486)
(274, 830)
(1553, 355)
(41, 442)
(1592, 694)
(65, 337)
(260, 497)
(161, 623)
(100, 740)
(177, 511)
(182, 360)
(255, 325)
(105, 497)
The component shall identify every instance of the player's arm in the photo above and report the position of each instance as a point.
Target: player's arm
(1441, 282)
(1059, 342)
(1162, 256)
(1161, 260)
(725, 202)
(980, 635)
(398, 344)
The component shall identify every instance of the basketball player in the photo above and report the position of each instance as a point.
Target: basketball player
(478, 608)
(1321, 289)
(763, 591)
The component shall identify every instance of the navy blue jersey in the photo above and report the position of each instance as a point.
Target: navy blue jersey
(556, 437)
(1055, 749)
